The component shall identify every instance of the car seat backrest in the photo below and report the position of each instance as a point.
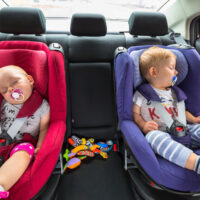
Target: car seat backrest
(181, 66)
(32, 60)
(145, 28)
(47, 68)
(128, 77)
(18, 23)
(91, 77)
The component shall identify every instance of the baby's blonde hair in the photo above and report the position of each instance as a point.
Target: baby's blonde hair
(153, 57)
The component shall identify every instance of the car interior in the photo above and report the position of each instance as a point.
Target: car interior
(90, 83)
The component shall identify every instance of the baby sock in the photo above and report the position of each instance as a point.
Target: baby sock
(3, 194)
(197, 165)
(1, 188)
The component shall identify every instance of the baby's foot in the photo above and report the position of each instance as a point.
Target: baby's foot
(4, 194)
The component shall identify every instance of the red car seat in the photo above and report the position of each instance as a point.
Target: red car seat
(47, 68)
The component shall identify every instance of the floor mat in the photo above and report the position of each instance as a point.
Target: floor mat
(96, 179)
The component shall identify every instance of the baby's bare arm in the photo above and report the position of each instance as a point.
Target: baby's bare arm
(143, 125)
(137, 116)
(191, 118)
(44, 125)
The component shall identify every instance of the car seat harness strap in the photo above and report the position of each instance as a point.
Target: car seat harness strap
(29, 107)
(176, 127)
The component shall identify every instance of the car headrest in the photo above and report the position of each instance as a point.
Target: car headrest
(22, 20)
(181, 66)
(88, 25)
(148, 23)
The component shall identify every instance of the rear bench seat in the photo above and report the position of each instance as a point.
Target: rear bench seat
(89, 52)
(93, 110)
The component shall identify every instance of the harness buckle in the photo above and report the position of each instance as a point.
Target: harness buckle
(5, 139)
(177, 129)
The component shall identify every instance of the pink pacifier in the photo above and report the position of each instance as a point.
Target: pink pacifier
(17, 95)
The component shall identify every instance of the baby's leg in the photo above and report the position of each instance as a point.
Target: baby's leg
(175, 152)
(14, 167)
(194, 130)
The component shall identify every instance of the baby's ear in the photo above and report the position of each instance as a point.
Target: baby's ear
(30, 78)
(153, 71)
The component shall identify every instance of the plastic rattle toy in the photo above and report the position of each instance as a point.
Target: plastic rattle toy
(72, 163)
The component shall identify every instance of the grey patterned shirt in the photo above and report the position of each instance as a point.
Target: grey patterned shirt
(31, 125)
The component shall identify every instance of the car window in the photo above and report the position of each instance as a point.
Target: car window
(58, 12)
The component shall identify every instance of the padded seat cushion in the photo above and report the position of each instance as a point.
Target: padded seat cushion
(181, 66)
(32, 61)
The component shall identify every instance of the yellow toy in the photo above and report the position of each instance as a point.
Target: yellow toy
(79, 148)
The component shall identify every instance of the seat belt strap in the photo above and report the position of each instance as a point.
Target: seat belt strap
(181, 112)
(163, 114)
(166, 117)
(179, 40)
(15, 127)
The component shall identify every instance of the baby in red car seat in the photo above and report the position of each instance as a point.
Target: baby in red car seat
(24, 123)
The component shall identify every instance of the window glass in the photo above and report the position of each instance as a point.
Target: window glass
(58, 12)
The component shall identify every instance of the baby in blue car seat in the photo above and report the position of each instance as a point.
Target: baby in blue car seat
(24, 122)
(159, 110)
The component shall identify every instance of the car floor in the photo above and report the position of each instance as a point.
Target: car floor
(97, 179)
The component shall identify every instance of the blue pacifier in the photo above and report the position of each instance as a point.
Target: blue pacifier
(174, 79)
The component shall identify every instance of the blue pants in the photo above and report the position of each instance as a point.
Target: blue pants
(163, 144)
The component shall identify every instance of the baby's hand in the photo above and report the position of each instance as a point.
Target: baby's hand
(36, 151)
(197, 120)
(150, 126)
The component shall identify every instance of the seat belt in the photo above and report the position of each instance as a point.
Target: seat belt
(7, 137)
(29, 107)
(179, 40)
(177, 127)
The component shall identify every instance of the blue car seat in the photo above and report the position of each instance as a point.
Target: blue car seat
(161, 172)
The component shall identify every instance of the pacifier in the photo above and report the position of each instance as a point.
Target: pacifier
(17, 95)
(174, 79)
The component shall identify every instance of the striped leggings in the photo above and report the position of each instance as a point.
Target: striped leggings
(162, 144)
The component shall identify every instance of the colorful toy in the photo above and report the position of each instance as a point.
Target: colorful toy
(71, 155)
(93, 147)
(82, 157)
(72, 163)
(86, 153)
(103, 146)
(90, 142)
(84, 148)
(110, 144)
(103, 154)
(75, 141)
(65, 155)
(79, 148)
(74, 144)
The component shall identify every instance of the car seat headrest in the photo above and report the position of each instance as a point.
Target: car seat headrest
(34, 62)
(148, 23)
(181, 66)
(88, 25)
(22, 20)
